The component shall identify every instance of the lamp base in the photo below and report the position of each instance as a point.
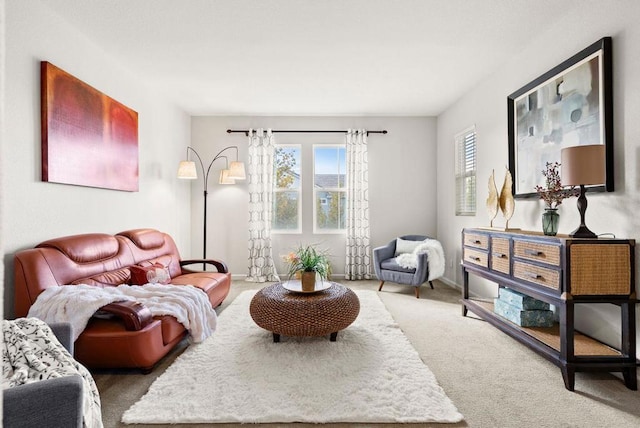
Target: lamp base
(583, 232)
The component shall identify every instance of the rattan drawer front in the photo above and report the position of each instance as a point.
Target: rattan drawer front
(476, 240)
(538, 275)
(545, 253)
(476, 257)
(500, 255)
(600, 269)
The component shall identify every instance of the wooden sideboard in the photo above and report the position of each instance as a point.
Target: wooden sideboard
(564, 272)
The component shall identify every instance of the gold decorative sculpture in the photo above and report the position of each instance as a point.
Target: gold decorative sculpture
(492, 200)
(507, 203)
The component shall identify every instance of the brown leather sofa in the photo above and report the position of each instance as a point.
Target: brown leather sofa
(132, 338)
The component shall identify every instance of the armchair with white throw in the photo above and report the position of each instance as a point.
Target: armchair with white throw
(410, 260)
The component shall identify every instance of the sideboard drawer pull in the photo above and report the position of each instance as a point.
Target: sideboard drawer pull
(500, 255)
(475, 258)
(535, 253)
(547, 253)
(533, 275)
(476, 240)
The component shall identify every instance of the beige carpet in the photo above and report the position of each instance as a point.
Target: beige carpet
(493, 380)
(240, 375)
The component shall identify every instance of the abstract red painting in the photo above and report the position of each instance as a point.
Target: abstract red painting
(88, 138)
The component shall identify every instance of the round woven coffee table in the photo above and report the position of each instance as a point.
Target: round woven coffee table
(289, 313)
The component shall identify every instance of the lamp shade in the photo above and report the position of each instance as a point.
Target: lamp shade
(236, 171)
(187, 170)
(224, 177)
(583, 165)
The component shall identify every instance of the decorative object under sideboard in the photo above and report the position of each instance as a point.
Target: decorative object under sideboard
(563, 272)
(521, 309)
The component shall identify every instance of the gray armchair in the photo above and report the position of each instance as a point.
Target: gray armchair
(387, 269)
(52, 403)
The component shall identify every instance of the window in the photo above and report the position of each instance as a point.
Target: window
(466, 172)
(329, 188)
(287, 199)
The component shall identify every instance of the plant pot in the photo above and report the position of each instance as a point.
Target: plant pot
(550, 219)
(308, 280)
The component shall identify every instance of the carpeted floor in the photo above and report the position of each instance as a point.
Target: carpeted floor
(493, 380)
(239, 375)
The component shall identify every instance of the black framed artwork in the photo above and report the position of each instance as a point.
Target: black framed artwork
(569, 105)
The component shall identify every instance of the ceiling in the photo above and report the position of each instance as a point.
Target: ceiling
(312, 57)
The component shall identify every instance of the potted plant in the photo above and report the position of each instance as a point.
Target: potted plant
(553, 193)
(309, 262)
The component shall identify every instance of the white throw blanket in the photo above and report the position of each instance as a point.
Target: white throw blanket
(31, 353)
(76, 304)
(435, 258)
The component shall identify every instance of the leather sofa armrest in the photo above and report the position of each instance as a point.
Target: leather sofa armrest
(134, 315)
(219, 265)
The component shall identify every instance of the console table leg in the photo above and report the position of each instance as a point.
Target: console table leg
(631, 378)
(276, 338)
(333, 336)
(465, 290)
(569, 377)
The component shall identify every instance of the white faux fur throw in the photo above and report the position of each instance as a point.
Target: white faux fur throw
(76, 304)
(32, 353)
(435, 258)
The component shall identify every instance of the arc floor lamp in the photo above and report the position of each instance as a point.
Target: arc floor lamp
(233, 171)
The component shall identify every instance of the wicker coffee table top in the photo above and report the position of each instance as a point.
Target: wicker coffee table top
(288, 313)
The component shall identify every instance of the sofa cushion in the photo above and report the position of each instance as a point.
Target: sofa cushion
(164, 260)
(107, 279)
(202, 280)
(147, 239)
(85, 248)
(155, 273)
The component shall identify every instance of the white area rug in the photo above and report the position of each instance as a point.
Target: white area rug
(238, 375)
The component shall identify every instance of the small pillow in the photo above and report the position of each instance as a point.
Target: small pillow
(405, 246)
(156, 273)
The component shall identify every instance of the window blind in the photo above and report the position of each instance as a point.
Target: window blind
(466, 172)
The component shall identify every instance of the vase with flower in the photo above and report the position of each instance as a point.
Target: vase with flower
(308, 262)
(553, 193)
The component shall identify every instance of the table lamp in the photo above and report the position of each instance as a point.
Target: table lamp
(583, 166)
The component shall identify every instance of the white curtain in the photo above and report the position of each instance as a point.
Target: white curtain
(260, 176)
(358, 260)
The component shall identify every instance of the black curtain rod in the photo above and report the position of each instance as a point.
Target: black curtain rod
(246, 131)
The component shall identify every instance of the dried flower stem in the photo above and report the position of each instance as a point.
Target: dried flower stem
(554, 192)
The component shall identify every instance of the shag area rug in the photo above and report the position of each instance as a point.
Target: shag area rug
(239, 375)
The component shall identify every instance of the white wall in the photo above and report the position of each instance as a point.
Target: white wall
(402, 175)
(2, 123)
(486, 107)
(34, 210)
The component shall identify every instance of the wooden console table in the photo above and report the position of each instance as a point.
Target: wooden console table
(564, 272)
